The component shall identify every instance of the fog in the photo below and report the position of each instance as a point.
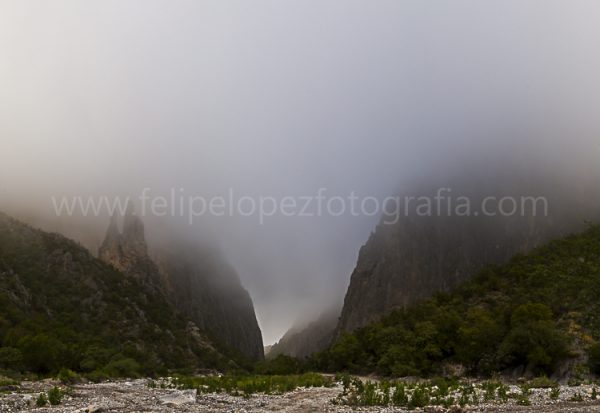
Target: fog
(277, 98)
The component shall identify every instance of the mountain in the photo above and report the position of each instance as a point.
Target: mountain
(207, 289)
(197, 281)
(64, 308)
(304, 340)
(537, 314)
(408, 261)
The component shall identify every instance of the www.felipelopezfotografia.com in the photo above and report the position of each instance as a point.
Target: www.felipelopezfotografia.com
(320, 204)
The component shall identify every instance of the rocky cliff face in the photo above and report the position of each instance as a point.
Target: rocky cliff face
(127, 251)
(198, 282)
(208, 290)
(303, 340)
(420, 255)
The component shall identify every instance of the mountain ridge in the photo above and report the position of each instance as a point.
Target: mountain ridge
(64, 308)
(197, 281)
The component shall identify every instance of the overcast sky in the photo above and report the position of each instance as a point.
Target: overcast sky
(283, 98)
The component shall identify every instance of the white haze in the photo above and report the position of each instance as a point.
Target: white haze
(281, 98)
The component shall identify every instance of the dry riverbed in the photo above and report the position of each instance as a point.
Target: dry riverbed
(137, 396)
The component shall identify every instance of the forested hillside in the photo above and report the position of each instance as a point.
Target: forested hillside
(63, 308)
(537, 314)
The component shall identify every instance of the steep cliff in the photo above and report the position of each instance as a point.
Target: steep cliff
(128, 251)
(206, 288)
(410, 260)
(303, 340)
(198, 281)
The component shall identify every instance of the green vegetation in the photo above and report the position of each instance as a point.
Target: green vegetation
(42, 400)
(67, 376)
(64, 310)
(66, 314)
(542, 382)
(245, 385)
(525, 313)
(443, 392)
(577, 398)
(55, 396)
(280, 365)
(594, 358)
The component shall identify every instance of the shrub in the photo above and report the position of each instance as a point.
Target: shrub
(41, 353)
(67, 376)
(42, 400)
(419, 398)
(280, 365)
(478, 337)
(399, 397)
(577, 397)
(250, 384)
(55, 396)
(502, 393)
(542, 382)
(523, 400)
(534, 339)
(11, 358)
(122, 367)
(97, 376)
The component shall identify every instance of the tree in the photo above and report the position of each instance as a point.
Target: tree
(11, 358)
(478, 339)
(534, 339)
(594, 358)
(41, 353)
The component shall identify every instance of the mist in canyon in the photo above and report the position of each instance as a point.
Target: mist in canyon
(276, 99)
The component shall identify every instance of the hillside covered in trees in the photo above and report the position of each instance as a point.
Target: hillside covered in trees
(61, 308)
(538, 314)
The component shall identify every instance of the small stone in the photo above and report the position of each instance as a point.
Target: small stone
(179, 397)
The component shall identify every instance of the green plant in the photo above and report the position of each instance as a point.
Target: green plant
(503, 393)
(419, 397)
(280, 365)
(42, 400)
(542, 382)
(250, 384)
(55, 396)
(122, 367)
(67, 376)
(525, 389)
(523, 399)
(555, 393)
(11, 358)
(399, 397)
(489, 389)
(577, 397)
(465, 392)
